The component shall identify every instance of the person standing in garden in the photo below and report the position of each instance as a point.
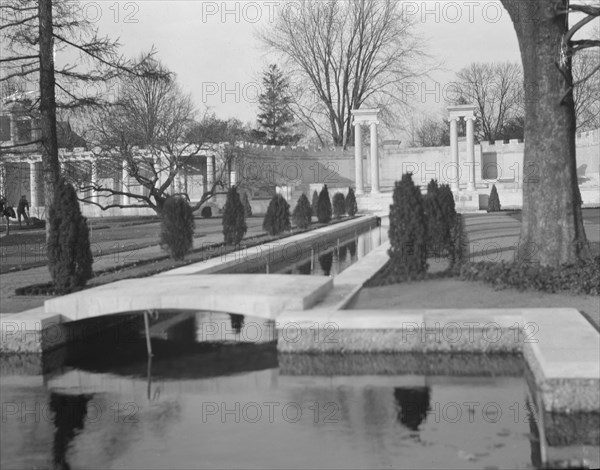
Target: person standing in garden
(23, 210)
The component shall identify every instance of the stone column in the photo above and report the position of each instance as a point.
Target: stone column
(3, 179)
(232, 177)
(14, 133)
(471, 151)
(358, 161)
(454, 153)
(95, 197)
(34, 182)
(125, 183)
(210, 172)
(374, 159)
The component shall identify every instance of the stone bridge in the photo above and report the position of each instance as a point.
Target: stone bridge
(262, 295)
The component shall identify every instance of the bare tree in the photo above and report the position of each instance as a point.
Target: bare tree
(147, 134)
(497, 90)
(429, 132)
(32, 32)
(586, 76)
(342, 55)
(552, 231)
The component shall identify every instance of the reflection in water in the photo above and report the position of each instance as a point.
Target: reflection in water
(180, 350)
(352, 249)
(326, 261)
(343, 251)
(237, 322)
(304, 268)
(535, 440)
(191, 402)
(413, 403)
(69, 414)
(334, 255)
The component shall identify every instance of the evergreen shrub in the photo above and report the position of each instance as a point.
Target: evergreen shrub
(408, 231)
(351, 206)
(324, 211)
(494, 200)
(69, 255)
(247, 206)
(302, 214)
(315, 202)
(339, 205)
(234, 219)
(176, 227)
(277, 218)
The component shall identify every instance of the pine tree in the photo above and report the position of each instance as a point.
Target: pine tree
(302, 214)
(177, 227)
(339, 205)
(275, 117)
(69, 254)
(324, 206)
(494, 200)
(247, 206)
(277, 218)
(351, 206)
(408, 231)
(234, 221)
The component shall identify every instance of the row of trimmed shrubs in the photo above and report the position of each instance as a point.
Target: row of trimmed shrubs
(278, 218)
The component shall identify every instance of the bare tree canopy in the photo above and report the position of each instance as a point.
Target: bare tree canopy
(497, 90)
(147, 131)
(429, 132)
(586, 90)
(342, 55)
(552, 231)
(87, 61)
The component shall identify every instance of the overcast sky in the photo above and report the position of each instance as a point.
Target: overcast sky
(212, 47)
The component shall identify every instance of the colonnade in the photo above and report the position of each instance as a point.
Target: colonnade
(369, 116)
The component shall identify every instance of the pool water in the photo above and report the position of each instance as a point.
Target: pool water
(204, 405)
(328, 258)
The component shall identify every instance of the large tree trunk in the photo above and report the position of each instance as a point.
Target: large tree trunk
(552, 231)
(50, 164)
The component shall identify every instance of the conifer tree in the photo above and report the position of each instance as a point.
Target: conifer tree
(69, 254)
(177, 227)
(315, 202)
(302, 214)
(247, 206)
(277, 218)
(339, 205)
(494, 200)
(275, 117)
(408, 230)
(324, 206)
(351, 206)
(234, 220)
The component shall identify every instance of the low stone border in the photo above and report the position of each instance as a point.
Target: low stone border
(565, 364)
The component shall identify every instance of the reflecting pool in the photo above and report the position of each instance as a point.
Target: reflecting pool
(200, 404)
